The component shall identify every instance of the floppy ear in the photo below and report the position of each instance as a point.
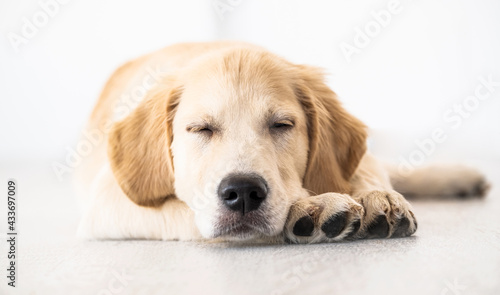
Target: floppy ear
(139, 149)
(337, 140)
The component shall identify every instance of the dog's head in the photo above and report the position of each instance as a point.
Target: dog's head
(239, 137)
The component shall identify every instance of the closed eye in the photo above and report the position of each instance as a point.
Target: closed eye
(202, 129)
(282, 125)
(206, 129)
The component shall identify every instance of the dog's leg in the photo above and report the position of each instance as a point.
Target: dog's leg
(374, 210)
(323, 218)
(387, 213)
(109, 214)
(440, 181)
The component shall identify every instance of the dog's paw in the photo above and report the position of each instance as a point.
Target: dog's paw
(323, 218)
(387, 214)
(475, 186)
(441, 182)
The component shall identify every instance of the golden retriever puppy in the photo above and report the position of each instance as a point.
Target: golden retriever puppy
(226, 140)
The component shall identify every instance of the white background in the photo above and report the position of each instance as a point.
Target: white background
(425, 60)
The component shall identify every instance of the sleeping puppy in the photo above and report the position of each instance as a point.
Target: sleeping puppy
(226, 140)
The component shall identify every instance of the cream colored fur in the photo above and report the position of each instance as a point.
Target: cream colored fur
(155, 173)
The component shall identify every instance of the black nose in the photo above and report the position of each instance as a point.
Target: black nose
(242, 192)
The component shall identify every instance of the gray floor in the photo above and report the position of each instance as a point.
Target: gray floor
(456, 251)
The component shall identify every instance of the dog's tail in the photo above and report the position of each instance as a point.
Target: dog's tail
(439, 181)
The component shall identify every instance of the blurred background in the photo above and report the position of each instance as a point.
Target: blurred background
(400, 66)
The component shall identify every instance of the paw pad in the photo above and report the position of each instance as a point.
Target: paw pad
(334, 225)
(379, 227)
(304, 226)
(402, 227)
(355, 228)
